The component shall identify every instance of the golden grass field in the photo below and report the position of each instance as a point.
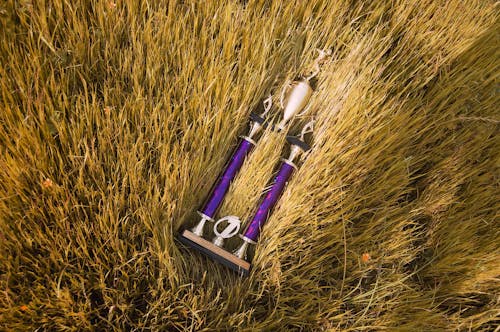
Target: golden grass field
(117, 117)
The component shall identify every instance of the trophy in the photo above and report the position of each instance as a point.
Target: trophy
(294, 100)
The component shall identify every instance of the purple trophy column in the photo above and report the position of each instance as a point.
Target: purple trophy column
(269, 201)
(222, 185)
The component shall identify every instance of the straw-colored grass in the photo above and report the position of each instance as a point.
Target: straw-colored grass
(117, 116)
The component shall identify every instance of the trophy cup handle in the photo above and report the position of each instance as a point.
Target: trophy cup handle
(322, 55)
(284, 92)
(268, 103)
(308, 107)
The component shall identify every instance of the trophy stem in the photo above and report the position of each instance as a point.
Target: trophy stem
(224, 181)
(269, 200)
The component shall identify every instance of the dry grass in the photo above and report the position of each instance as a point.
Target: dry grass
(116, 118)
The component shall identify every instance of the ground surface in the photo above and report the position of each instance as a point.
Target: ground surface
(116, 118)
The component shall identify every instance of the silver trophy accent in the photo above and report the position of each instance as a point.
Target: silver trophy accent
(231, 229)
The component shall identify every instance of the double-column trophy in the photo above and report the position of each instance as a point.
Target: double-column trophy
(294, 100)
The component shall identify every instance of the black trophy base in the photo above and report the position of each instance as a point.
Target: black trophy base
(218, 254)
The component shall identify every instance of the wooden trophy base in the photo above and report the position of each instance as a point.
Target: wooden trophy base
(220, 255)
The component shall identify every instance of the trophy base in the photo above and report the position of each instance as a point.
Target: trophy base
(218, 254)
